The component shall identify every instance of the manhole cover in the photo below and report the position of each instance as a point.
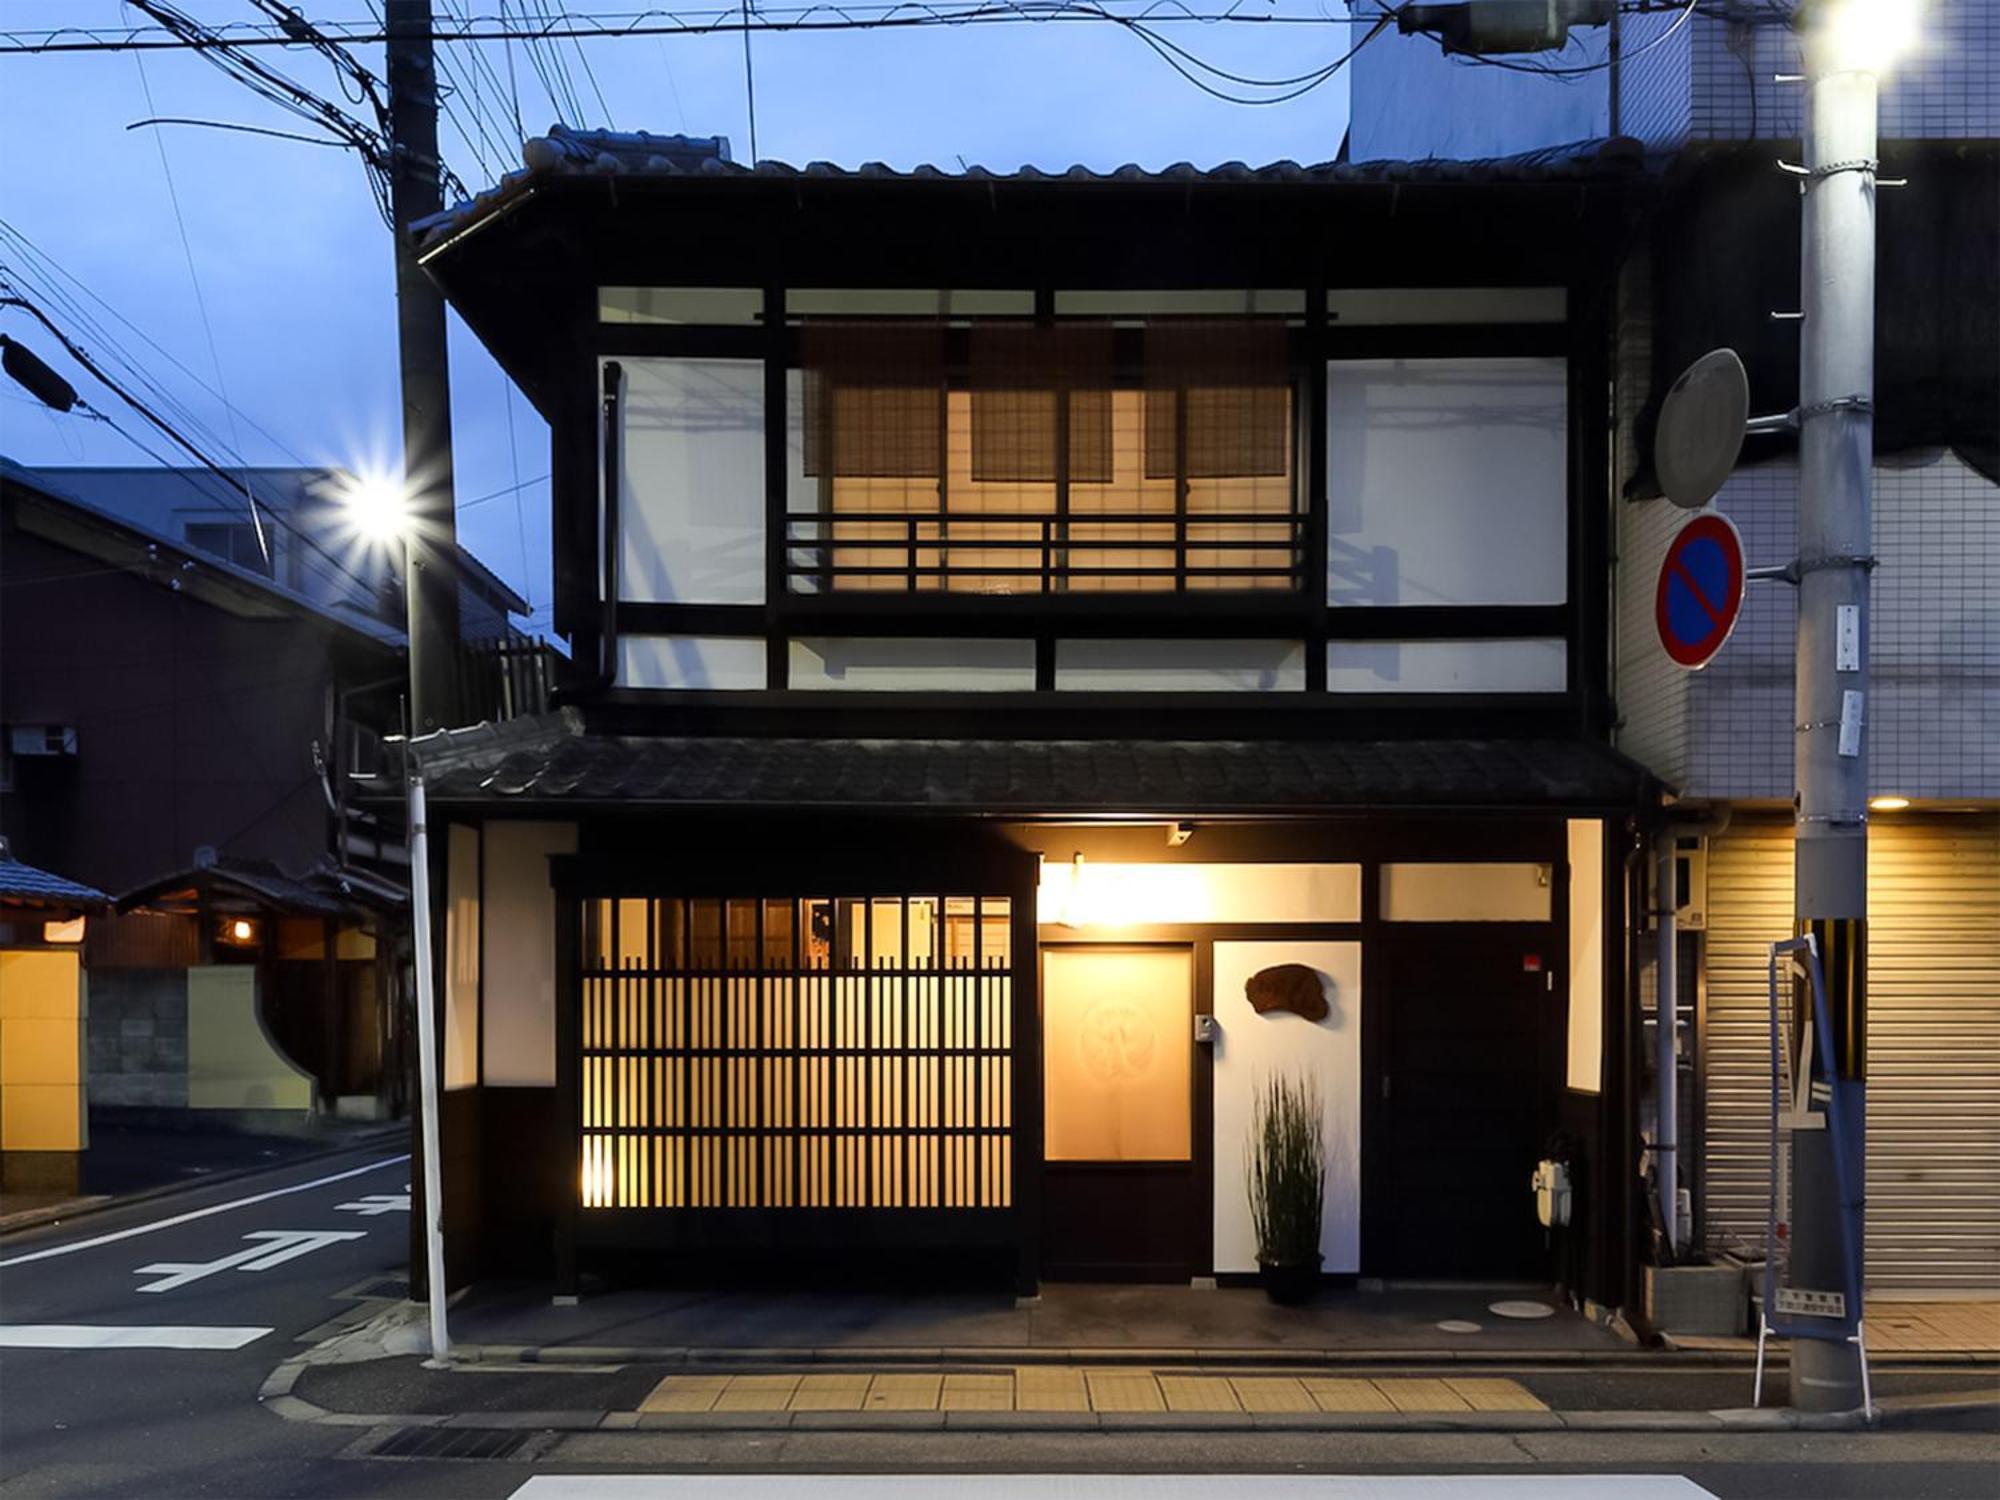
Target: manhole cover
(1521, 1310)
(1458, 1325)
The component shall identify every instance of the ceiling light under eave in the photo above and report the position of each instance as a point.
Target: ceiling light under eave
(1888, 804)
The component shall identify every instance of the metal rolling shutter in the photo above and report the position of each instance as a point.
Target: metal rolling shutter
(1933, 1048)
(1749, 908)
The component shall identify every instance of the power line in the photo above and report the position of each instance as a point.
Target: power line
(200, 302)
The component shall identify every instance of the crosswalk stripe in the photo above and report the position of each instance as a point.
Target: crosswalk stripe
(145, 1336)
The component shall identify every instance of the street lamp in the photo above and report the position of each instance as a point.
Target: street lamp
(1870, 35)
(377, 509)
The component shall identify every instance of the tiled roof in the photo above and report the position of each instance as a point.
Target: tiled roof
(553, 760)
(564, 152)
(25, 886)
(319, 892)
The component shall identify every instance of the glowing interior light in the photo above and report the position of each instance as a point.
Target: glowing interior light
(1888, 804)
(241, 930)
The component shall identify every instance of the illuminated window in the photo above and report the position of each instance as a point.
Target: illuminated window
(816, 1052)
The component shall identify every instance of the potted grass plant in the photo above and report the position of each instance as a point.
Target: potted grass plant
(1286, 1161)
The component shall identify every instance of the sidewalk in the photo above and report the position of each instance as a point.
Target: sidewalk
(1100, 1324)
(1960, 1329)
(128, 1163)
(372, 1376)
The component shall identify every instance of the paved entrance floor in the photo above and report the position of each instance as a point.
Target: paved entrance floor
(1122, 1322)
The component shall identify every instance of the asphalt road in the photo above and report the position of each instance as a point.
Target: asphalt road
(234, 1274)
(245, 1266)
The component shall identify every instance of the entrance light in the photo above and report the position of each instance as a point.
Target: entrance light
(1888, 804)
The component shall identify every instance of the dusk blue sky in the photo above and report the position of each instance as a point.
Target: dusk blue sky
(293, 264)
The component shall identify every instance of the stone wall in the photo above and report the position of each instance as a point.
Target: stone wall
(138, 1033)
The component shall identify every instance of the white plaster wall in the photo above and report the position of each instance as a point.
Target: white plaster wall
(1114, 895)
(693, 662)
(1251, 1047)
(461, 958)
(1586, 954)
(1442, 891)
(518, 951)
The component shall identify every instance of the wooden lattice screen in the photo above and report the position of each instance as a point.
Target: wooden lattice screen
(813, 1052)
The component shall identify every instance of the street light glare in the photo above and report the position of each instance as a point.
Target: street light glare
(377, 508)
(1871, 34)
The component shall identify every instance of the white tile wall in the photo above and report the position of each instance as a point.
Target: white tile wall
(1934, 710)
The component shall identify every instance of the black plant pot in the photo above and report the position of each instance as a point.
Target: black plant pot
(1292, 1283)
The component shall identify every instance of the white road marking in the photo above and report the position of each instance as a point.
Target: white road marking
(280, 1245)
(97, 1336)
(374, 1205)
(1108, 1487)
(202, 1213)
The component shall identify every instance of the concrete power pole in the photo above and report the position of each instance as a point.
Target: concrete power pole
(1830, 820)
(431, 570)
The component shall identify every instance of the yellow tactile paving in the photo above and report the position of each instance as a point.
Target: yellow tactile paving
(1271, 1393)
(1422, 1395)
(757, 1393)
(977, 1393)
(1198, 1393)
(1123, 1390)
(830, 1393)
(1487, 1393)
(1055, 1388)
(1346, 1395)
(685, 1393)
(1050, 1388)
(903, 1393)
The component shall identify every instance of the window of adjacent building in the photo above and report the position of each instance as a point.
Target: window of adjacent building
(235, 541)
(1017, 459)
(1447, 481)
(691, 492)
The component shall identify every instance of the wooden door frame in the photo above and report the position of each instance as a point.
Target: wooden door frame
(1201, 1070)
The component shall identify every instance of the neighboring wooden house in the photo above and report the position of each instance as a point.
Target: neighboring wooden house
(172, 708)
(1011, 612)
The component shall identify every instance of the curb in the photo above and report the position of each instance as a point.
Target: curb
(982, 1356)
(84, 1208)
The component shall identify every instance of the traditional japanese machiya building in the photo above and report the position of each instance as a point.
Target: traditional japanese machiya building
(1010, 612)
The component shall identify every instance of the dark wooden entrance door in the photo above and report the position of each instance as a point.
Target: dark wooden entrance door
(1461, 1098)
(1125, 1189)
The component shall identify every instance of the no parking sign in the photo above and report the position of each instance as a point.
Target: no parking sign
(1700, 593)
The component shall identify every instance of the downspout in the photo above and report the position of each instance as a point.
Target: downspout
(609, 429)
(1666, 1006)
(1666, 1066)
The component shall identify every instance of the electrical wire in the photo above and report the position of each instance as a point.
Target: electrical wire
(200, 301)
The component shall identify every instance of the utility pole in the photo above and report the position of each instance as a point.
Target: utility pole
(1830, 818)
(430, 584)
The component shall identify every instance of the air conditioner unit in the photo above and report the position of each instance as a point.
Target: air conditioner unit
(41, 739)
(1690, 884)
